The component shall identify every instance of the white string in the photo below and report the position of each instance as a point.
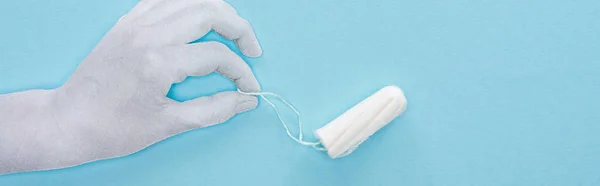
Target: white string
(287, 130)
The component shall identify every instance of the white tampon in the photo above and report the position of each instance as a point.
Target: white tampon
(342, 135)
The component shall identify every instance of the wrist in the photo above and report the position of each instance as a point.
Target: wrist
(17, 106)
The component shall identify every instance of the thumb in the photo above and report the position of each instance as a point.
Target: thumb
(211, 110)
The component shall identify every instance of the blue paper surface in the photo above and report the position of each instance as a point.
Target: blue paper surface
(499, 92)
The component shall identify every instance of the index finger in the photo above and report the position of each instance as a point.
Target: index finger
(231, 26)
(204, 58)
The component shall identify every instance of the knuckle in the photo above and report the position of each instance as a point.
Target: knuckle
(153, 63)
(210, 5)
(228, 7)
(213, 8)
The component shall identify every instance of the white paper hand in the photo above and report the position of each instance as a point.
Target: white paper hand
(114, 104)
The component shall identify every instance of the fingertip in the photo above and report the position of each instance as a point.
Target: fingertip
(246, 103)
(248, 85)
(254, 51)
(249, 46)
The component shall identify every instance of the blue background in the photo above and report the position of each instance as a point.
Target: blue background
(500, 92)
